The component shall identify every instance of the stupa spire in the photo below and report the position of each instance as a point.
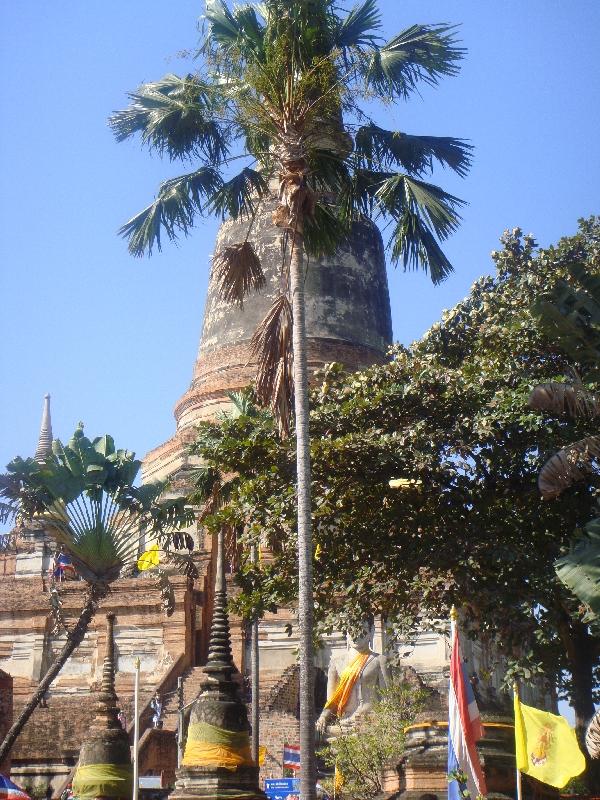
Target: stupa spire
(44, 446)
(220, 664)
(107, 711)
(217, 763)
(104, 769)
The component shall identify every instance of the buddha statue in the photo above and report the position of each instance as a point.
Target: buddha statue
(353, 684)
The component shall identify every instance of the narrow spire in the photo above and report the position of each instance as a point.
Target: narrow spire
(220, 661)
(107, 710)
(44, 448)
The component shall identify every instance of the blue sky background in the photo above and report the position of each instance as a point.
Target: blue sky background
(113, 338)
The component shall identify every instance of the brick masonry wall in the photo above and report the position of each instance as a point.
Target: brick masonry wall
(6, 712)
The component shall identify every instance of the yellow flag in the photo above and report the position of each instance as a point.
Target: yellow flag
(338, 779)
(149, 558)
(546, 746)
(262, 754)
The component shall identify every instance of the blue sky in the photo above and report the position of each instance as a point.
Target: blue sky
(113, 338)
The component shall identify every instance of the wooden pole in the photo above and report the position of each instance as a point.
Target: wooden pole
(519, 786)
(136, 729)
(254, 677)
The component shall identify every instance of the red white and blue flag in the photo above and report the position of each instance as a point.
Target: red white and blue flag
(464, 729)
(291, 756)
(62, 566)
(10, 790)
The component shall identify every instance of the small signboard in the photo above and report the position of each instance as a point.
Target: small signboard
(282, 788)
(150, 782)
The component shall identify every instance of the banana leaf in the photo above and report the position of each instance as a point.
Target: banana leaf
(580, 569)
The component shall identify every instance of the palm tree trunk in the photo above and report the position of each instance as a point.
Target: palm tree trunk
(74, 639)
(308, 772)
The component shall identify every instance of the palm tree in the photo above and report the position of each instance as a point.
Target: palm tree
(274, 108)
(84, 495)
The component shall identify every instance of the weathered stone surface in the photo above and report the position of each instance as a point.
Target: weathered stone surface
(348, 320)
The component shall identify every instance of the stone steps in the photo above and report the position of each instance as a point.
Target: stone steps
(192, 679)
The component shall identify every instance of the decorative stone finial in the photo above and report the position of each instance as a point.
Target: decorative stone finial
(104, 768)
(44, 447)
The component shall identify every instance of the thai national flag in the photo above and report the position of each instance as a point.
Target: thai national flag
(63, 565)
(291, 756)
(464, 729)
(10, 790)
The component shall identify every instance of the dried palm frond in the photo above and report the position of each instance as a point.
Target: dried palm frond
(167, 595)
(563, 398)
(238, 271)
(592, 736)
(272, 347)
(184, 562)
(571, 464)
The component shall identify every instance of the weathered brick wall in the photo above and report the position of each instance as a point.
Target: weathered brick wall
(6, 712)
(276, 729)
(158, 754)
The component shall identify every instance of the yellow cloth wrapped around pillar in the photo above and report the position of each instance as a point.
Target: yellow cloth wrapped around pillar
(339, 699)
(103, 780)
(209, 746)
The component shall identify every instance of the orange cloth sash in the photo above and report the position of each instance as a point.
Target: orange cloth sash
(339, 699)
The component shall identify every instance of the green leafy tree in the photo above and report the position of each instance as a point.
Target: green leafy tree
(360, 758)
(85, 497)
(449, 419)
(277, 98)
(573, 317)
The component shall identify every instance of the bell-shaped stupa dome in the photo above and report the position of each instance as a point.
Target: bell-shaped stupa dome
(348, 320)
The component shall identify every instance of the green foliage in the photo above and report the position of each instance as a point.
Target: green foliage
(86, 495)
(450, 413)
(379, 743)
(580, 568)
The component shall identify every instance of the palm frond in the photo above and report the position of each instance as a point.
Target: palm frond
(422, 211)
(235, 35)
(272, 347)
(243, 404)
(353, 30)
(167, 595)
(401, 194)
(178, 202)
(414, 243)
(572, 464)
(359, 196)
(174, 116)
(563, 398)
(382, 149)
(324, 231)
(223, 28)
(328, 173)
(237, 271)
(184, 562)
(204, 480)
(238, 196)
(420, 53)
(251, 31)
